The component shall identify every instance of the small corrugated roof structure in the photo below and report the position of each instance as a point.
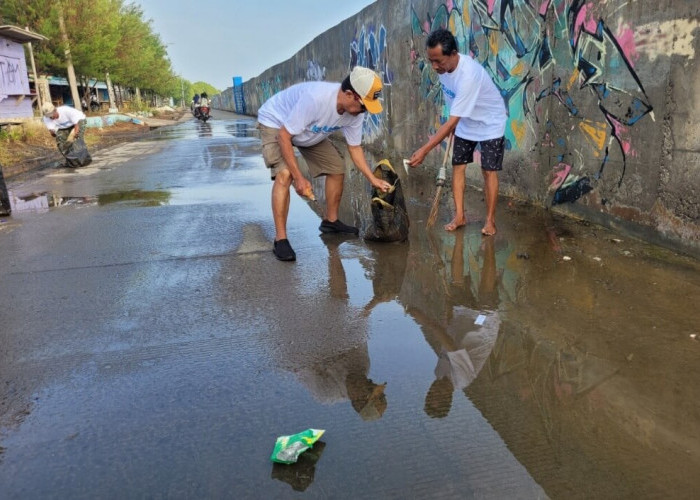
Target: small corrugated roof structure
(20, 35)
(15, 94)
(92, 83)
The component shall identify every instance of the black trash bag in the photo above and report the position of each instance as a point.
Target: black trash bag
(389, 217)
(78, 154)
(75, 152)
(5, 207)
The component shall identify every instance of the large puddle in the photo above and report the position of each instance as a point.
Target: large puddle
(577, 346)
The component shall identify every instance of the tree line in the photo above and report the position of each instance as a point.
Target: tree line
(104, 37)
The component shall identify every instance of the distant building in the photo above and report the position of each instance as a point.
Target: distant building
(15, 95)
(60, 91)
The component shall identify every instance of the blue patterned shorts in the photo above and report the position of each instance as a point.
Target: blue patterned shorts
(491, 152)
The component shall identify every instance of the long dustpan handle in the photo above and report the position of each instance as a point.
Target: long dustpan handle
(442, 173)
(450, 139)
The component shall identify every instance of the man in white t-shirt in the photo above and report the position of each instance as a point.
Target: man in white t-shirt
(304, 115)
(477, 116)
(67, 125)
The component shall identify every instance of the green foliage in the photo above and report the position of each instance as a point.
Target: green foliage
(189, 89)
(199, 87)
(103, 36)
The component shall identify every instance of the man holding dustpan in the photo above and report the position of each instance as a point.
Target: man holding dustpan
(477, 117)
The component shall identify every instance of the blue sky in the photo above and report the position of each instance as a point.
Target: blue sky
(215, 40)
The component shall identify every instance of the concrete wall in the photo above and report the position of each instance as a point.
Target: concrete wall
(603, 98)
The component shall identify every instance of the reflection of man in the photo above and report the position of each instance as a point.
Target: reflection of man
(464, 348)
(304, 115)
(388, 269)
(465, 341)
(67, 125)
(344, 376)
(478, 118)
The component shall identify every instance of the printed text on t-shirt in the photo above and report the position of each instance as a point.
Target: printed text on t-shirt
(324, 130)
(447, 91)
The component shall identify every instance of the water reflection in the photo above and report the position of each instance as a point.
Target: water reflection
(41, 202)
(315, 334)
(204, 130)
(345, 375)
(464, 333)
(386, 265)
(300, 475)
(242, 128)
(139, 197)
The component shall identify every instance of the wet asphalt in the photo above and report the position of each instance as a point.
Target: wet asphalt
(151, 346)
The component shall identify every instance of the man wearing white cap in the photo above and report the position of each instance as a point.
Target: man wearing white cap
(67, 125)
(304, 115)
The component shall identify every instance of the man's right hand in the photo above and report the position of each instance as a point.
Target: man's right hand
(302, 186)
(417, 158)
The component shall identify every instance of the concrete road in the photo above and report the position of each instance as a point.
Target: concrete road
(151, 346)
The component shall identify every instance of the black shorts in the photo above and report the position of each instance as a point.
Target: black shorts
(491, 152)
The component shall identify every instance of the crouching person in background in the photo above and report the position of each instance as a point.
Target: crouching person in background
(67, 125)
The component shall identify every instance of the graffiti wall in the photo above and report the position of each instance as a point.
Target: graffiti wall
(602, 96)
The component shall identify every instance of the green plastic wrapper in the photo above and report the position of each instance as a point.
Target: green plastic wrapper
(288, 448)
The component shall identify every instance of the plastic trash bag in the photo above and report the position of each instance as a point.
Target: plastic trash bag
(75, 151)
(5, 207)
(78, 154)
(389, 216)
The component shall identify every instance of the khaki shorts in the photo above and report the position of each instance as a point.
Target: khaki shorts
(322, 158)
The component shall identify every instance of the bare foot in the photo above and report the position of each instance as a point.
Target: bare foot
(489, 229)
(456, 223)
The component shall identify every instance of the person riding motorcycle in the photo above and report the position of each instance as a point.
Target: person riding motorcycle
(203, 101)
(194, 103)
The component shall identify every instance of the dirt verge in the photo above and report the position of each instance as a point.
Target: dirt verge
(29, 146)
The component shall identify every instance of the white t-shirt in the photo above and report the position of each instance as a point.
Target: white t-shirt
(308, 111)
(67, 117)
(471, 94)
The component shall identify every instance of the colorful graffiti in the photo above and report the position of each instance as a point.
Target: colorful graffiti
(561, 49)
(315, 72)
(369, 49)
(270, 87)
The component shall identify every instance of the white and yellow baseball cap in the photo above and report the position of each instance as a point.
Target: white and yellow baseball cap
(367, 84)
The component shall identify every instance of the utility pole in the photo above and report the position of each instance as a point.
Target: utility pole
(69, 61)
(36, 78)
(182, 88)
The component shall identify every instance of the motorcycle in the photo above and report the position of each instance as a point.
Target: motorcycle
(201, 113)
